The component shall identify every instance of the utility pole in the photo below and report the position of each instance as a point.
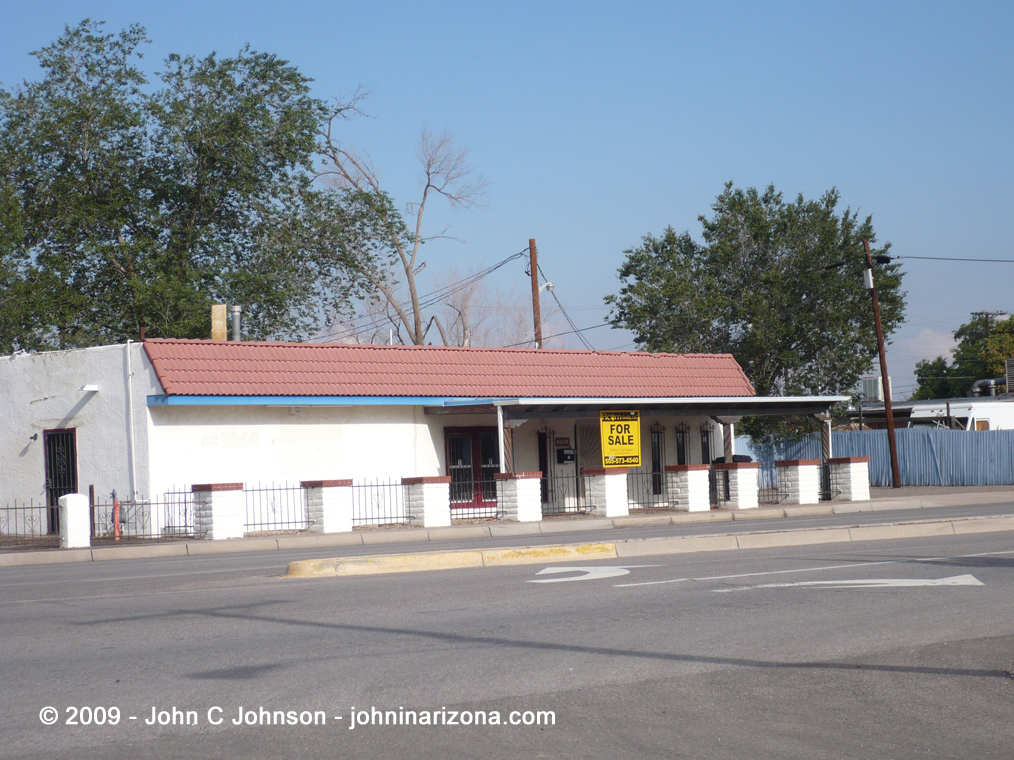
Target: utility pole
(988, 316)
(533, 255)
(891, 442)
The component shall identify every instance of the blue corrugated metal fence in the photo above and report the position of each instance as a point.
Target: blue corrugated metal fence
(925, 457)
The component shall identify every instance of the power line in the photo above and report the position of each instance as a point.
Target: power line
(569, 332)
(950, 258)
(566, 316)
(368, 322)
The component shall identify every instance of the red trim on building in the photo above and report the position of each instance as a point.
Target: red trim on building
(606, 471)
(426, 481)
(206, 487)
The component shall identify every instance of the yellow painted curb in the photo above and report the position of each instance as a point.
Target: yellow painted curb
(562, 553)
(421, 561)
(383, 563)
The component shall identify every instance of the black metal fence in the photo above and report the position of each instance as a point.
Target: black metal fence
(168, 518)
(275, 508)
(718, 487)
(379, 502)
(564, 493)
(830, 482)
(770, 488)
(474, 499)
(27, 524)
(647, 490)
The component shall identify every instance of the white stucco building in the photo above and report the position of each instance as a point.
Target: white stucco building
(148, 418)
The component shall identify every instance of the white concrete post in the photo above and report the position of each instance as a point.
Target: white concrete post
(742, 483)
(75, 521)
(519, 495)
(799, 480)
(329, 505)
(607, 490)
(219, 510)
(851, 477)
(429, 501)
(688, 487)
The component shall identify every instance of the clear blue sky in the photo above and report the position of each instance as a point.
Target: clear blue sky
(599, 122)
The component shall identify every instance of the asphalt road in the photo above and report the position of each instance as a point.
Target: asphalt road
(815, 652)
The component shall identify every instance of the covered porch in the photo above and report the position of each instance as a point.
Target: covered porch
(687, 445)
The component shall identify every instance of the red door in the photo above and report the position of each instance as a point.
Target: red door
(473, 456)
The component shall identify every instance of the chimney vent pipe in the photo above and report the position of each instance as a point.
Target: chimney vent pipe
(236, 331)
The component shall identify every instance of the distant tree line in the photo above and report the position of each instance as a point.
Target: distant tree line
(984, 344)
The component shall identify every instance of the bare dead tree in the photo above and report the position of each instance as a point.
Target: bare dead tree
(446, 173)
(481, 315)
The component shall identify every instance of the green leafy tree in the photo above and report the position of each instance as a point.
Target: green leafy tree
(776, 284)
(126, 206)
(998, 348)
(938, 379)
(981, 343)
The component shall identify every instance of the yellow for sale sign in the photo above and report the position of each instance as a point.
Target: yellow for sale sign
(621, 439)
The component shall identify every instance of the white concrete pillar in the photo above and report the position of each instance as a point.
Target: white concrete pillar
(429, 501)
(799, 480)
(850, 478)
(688, 487)
(607, 490)
(742, 483)
(219, 510)
(519, 495)
(75, 521)
(329, 505)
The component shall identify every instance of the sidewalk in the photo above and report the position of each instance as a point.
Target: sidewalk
(884, 500)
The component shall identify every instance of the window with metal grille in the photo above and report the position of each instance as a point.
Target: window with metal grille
(706, 443)
(657, 457)
(682, 443)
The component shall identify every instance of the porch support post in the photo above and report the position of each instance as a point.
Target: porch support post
(728, 436)
(799, 480)
(500, 438)
(688, 487)
(519, 495)
(75, 521)
(607, 490)
(329, 505)
(219, 510)
(429, 501)
(850, 478)
(742, 483)
(825, 455)
(825, 438)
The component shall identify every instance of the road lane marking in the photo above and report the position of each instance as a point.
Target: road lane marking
(587, 573)
(954, 580)
(814, 569)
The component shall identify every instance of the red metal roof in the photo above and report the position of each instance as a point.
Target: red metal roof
(205, 368)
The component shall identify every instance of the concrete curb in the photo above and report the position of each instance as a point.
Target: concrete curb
(424, 561)
(492, 530)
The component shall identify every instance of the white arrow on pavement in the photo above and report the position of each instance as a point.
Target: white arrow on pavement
(587, 573)
(954, 580)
